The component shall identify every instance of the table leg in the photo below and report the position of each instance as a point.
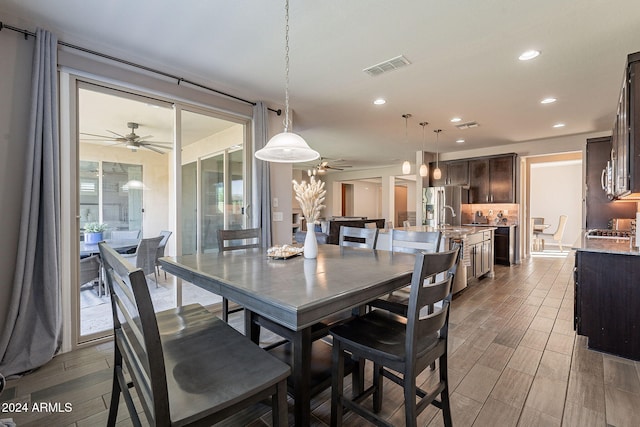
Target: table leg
(251, 328)
(301, 373)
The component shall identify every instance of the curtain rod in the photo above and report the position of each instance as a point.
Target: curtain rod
(133, 64)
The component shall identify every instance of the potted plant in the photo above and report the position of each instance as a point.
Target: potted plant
(93, 232)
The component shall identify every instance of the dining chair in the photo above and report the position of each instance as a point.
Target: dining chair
(232, 240)
(188, 367)
(160, 253)
(400, 348)
(90, 271)
(356, 237)
(407, 242)
(145, 256)
(557, 235)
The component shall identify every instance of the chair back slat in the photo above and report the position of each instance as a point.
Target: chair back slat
(415, 241)
(231, 240)
(427, 295)
(356, 237)
(136, 331)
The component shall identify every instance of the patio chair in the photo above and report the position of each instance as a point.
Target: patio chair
(145, 256)
(188, 366)
(160, 253)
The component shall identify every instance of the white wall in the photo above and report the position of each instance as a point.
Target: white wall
(366, 200)
(556, 189)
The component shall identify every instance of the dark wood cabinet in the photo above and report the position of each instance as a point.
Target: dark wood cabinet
(492, 180)
(599, 209)
(607, 297)
(625, 143)
(458, 172)
(454, 172)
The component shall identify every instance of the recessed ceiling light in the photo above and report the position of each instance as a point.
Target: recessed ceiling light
(459, 141)
(558, 125)
(380, 101)
(530, 54)
(548, 101)
(456, 120)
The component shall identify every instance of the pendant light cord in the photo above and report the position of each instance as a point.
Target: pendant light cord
(286, 66)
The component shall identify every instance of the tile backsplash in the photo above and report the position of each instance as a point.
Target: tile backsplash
(491, 211)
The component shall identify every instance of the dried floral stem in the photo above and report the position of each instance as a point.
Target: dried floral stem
(310, 197)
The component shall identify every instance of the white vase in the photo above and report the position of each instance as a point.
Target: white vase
(310, 244)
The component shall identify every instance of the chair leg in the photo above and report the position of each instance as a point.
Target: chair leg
(410, 410)
(115, 391)
(156, 277)
(444, 396)
(337, 375)
(225, 309)
(279, 405)
(378, 391)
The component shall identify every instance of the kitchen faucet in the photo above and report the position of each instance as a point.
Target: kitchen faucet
(453, 214)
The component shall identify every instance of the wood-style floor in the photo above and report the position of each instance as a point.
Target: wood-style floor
(514, 361)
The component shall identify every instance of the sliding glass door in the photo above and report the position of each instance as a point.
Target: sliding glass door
(213, 187)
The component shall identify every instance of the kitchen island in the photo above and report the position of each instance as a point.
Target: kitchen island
(477, 249)
(607, 295)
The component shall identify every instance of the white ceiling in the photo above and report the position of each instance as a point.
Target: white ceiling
(463, 62)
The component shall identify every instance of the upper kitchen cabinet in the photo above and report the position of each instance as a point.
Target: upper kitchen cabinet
(454, 172)
(492, 179)
(625, 153)
(599, 208)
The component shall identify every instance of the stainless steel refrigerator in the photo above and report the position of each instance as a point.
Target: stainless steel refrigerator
(441, 205)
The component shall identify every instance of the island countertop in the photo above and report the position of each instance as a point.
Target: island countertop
(608, 245)
(454, 231)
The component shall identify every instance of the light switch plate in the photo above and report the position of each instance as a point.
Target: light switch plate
(277, 216)
(275, 203)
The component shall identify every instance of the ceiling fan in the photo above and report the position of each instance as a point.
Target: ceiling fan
(324, 165)
(132, 140)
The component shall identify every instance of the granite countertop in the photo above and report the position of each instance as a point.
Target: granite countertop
(499, 225)
(455, 231)
(609, 246)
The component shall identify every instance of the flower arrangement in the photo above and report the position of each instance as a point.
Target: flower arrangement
(310, 197)
(95, 227)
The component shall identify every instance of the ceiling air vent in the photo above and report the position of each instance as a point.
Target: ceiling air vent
(467, 125)
(386, 66)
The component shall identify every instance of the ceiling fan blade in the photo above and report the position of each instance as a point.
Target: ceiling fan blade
(148, 147)
(333, 168)
(97, 136)
(157, 143)
(115, 133)
(141, 138)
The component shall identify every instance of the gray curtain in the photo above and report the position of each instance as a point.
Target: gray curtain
(261, 198)
(32, 332)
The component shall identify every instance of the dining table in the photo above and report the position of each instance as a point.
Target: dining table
(293, 295)
(120, 245)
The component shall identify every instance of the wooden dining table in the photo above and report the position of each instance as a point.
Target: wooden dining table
(295, 294)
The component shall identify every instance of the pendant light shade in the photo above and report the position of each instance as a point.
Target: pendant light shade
(406, 167)
(437, 173)
(424, 171)
(287, 147)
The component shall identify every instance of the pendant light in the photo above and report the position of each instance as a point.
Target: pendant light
(406, 166)
(286, 147)
(424, 171)
(437, 173)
